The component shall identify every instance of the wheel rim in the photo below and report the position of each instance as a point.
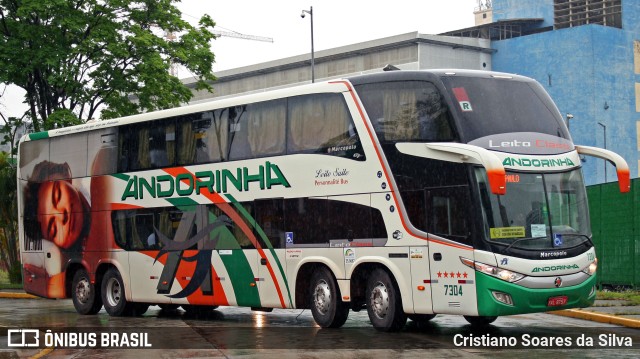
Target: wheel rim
(322, 297)
(380, 300)
(114, 292)
(83, 291)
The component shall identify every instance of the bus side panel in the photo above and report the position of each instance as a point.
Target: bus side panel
(145, 272)
(421, 280)
(453, 283)
(274, 293)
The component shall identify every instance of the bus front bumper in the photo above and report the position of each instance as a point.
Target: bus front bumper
(527, 300)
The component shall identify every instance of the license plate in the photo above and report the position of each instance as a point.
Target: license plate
(557, 301)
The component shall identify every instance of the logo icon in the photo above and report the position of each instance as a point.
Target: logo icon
(504, 261)
(289, 237)
(557, 282)
(23, 338)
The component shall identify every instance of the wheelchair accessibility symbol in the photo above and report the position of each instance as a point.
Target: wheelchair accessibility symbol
(557, 240)
(289, 237)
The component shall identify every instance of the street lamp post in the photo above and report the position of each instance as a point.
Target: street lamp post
(310, 12)
(604, 129)
(569, 117)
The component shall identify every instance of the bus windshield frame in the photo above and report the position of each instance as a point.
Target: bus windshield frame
(540, 211)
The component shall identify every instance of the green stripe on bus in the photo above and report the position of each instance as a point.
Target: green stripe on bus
(39, 135)
(241, 277)
(265, 239)
(237, 266)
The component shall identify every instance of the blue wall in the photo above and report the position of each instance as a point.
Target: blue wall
(583, 68)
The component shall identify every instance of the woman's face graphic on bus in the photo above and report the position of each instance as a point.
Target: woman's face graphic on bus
(61, 213)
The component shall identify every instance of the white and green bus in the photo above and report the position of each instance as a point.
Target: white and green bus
(408, 193)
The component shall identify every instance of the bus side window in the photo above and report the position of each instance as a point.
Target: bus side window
(322, 123)
(306, 218)
(449, 213)
(407, 111)
(239, 148)
(270, 217)
(266, 127)
(202, 137)
(147, 145)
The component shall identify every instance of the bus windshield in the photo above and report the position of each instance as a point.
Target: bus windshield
(489, 106)
(540, 211)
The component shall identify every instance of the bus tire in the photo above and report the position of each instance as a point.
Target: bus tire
(480, 320)
(113, 297)
(85, 295)
(327, 307)
(384, 304)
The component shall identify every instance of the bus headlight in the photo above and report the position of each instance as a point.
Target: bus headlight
(591, 268)
(503, 274)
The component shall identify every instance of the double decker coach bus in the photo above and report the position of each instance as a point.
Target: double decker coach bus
(408, 193)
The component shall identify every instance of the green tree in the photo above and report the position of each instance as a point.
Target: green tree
(8, 213)
(75, 58)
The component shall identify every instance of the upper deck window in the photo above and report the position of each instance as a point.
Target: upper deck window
(407, 111)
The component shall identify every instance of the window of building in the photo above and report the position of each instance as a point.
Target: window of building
(571, 13)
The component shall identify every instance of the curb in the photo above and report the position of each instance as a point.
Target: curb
(598, 317)
(17, 295)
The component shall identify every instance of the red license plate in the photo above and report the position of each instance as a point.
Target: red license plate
(557, 301)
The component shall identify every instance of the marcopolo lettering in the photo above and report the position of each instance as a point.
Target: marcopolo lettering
(535, 162)
(220, 181)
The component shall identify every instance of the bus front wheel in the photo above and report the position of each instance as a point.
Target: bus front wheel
(328, 309)
(113, 296)
(384, 304)
(86, 299)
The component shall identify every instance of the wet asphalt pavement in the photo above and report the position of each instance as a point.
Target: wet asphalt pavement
(240, 333)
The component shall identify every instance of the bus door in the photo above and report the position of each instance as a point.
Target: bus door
(449, 233)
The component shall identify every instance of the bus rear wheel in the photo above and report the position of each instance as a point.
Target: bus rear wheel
(480, 320)
(86, 299)
(328, 309)
(384, 304)
(113, 297)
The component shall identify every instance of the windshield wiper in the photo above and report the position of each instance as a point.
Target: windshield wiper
(523, 239)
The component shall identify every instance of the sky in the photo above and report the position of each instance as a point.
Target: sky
(335, 23)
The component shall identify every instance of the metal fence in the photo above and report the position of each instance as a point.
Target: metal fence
(615, 222)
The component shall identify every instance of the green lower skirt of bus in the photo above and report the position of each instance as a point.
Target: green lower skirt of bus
(528, 300)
